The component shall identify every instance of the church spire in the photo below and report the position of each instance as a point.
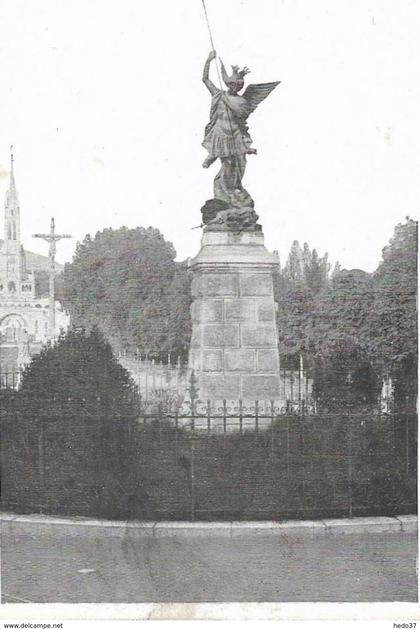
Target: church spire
(12, 196)
(12, 215)
(12, 173)
(14, 275)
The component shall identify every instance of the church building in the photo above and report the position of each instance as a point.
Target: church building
(25, 321)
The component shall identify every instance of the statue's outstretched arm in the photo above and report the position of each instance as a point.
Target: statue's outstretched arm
(206, 80)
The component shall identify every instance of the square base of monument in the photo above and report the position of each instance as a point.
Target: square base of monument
(234, 343)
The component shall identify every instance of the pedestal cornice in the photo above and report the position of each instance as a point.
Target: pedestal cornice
(234, 251)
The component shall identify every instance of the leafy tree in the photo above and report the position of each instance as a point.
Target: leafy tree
(295, 305)
(148, 323)
(293, 269)
(339, 318)
(352, 327)
(392, 320)
(76, 407)
(315, 272)
(77, 366)
(179, 319)
(323, 317)
(117, 281)
(297, 287)
(162, 325)
(336, 270)
(339, 336)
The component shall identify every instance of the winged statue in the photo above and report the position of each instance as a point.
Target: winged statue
(227, 136)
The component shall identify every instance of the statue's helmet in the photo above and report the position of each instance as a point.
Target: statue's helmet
(237, 75)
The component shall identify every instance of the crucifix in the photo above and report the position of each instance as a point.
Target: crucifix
(52, 239)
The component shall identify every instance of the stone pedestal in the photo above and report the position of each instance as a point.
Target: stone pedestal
(234, 343)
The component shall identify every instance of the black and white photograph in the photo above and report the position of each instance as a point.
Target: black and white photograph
(208, 311)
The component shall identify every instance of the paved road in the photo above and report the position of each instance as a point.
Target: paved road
(43, 564)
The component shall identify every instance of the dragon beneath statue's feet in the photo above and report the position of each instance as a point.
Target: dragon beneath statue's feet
(219, 216)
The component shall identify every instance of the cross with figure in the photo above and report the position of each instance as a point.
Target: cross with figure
(52, 239)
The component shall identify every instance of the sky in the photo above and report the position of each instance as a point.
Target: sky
(104, 105)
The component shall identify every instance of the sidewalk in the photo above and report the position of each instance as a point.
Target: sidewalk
(402, 523)
(76, 560)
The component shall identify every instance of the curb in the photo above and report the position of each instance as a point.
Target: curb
(135, 528)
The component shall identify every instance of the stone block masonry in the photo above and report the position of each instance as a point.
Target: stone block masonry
(234, 346)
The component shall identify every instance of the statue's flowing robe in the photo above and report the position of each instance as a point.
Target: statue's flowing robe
(227, 132)
(227, 137)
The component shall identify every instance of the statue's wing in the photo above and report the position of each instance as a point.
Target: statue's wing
(257, 92)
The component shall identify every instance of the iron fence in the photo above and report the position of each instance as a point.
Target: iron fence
(228, 461)
(222, 415)
(154, 377)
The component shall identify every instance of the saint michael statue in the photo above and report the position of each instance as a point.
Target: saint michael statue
(227, 138)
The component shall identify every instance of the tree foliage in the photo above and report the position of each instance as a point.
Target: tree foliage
(123, 281)
(79, 366)
(305, 274)
(392, 321)
(339, 319)
(339, 333)
(345, 323)
(352, 327)
(73, 415)
(179, 317)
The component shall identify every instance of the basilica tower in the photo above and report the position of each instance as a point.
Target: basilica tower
(15, 281)
(25, 318)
